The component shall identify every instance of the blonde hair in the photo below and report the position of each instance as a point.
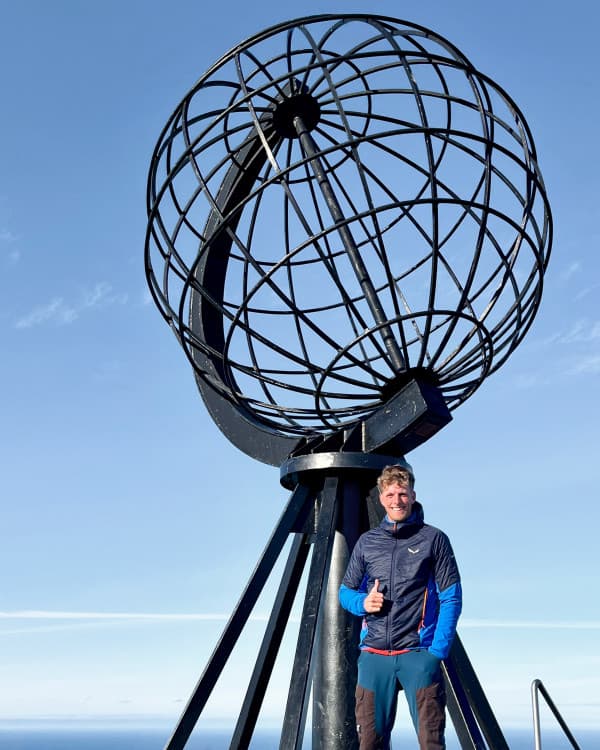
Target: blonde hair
(395, 474)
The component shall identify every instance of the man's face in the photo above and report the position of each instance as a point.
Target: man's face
(398, 500)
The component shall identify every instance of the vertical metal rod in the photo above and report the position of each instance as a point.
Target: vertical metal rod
(297, 702)
(334, 682)
(537, 737)
(312, 152)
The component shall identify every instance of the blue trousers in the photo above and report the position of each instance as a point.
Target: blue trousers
(380, 678)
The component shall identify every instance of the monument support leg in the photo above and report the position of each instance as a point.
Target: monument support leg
(295, 713)
(327, 514)
(334, 682)
(294, 510)
(470, 711)
(265, 662)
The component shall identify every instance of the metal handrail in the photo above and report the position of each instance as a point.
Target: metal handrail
(538, 687)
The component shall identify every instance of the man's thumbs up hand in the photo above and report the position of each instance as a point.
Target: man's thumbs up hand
(374, 601)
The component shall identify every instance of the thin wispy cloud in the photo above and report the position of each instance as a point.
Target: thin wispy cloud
(102, 295)
(7, 236)
(582, 331)
(587, 365)
(7, 242)
(531, 624)
(146, 297)
(71, 616)
(34, 614)
(60, 312)
(585, 292)
(571, 270)
(58, 628)
(563, 370)
(529, 380)
(52, 621)
(55, 311)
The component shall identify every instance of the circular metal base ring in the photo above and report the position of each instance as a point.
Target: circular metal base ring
(296, 469)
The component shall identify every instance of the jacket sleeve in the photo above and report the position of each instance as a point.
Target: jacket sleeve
(353, 601)
(447, 579)
(353, 590)
(450, 606)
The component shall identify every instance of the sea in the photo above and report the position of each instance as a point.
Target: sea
(63, 738)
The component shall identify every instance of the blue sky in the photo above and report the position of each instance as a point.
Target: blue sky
(129, 523)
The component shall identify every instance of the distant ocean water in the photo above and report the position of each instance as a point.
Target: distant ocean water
(43, 738)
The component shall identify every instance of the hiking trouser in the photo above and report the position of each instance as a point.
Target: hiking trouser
(380, 678)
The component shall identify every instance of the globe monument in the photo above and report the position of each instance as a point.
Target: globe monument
(347, 233)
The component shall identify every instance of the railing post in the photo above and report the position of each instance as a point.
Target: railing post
(538, 687)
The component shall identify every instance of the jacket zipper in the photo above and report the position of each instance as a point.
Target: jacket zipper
(392, 586)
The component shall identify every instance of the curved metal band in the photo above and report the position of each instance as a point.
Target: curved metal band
(206, 322)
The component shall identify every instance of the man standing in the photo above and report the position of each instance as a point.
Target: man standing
(403, 580)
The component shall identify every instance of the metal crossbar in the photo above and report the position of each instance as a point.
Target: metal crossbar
(537, 687)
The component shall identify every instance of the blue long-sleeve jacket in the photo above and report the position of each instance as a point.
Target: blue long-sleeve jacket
(419, 579)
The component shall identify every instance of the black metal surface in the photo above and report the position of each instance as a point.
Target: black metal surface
(209, 272)
(464, 721)
(340, 203)
(312, 152)
(278, 621)
(300, 684)
(468, 705)
(415, 413)
(238, 619)
(467, 732)
(300, 469)
(334, 681)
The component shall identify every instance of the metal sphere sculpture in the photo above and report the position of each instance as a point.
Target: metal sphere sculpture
(340, 203)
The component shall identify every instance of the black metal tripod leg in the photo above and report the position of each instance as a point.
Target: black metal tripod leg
(464, 721)
(297, 703)
(271, 643)
(468, 705)
(300, 498)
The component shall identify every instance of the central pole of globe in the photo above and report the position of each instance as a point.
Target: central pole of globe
(312, 152)
(334, 725)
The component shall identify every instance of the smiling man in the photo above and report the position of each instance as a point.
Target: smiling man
(402, 579)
